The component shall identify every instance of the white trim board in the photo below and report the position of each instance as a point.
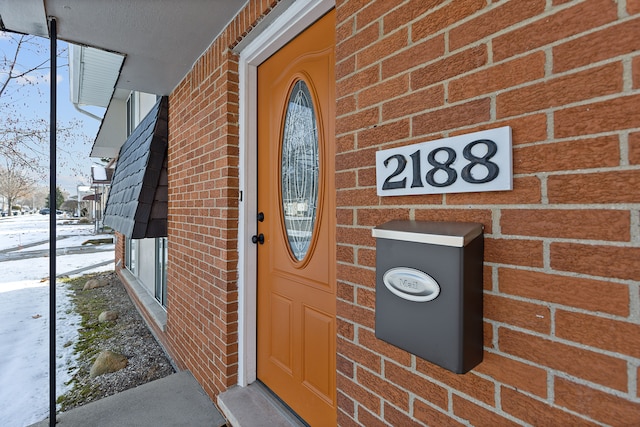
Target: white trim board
(299, 15)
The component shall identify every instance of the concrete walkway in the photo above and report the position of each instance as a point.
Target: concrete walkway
(176, 400)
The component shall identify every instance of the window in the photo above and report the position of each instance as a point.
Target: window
(161, 271)
(300, 170)
(130, 254)
(131, 114)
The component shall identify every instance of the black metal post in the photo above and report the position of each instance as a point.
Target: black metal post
(52, 220)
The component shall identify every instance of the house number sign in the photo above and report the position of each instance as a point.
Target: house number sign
(479, 161)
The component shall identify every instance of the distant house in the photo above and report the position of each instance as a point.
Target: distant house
(247, 189)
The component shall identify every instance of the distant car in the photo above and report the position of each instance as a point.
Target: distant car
(44, 211)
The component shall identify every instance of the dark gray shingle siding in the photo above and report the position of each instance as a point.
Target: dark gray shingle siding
(137, 204)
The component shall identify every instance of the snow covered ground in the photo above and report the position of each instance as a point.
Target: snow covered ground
(24, 311)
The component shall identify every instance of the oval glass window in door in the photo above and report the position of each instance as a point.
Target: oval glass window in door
(299, 170)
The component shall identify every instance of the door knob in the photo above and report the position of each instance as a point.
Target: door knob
(258, 239)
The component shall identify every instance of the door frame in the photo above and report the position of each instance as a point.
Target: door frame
(286, 21)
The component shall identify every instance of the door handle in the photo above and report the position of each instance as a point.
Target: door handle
(258, 239)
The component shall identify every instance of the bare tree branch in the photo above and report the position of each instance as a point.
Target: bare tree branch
(24, 138)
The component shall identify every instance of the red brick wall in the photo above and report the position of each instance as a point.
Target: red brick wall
(562, 250)
(562, 306)
(202, 307)
(119, 251)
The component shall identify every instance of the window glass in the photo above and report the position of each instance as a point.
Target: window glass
(161, 271)
(130, 248)
(299, 170)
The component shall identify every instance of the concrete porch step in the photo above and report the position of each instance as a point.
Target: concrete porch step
(176, 400)
(255, 406)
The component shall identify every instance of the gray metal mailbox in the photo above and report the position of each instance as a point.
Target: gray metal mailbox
(429, 290)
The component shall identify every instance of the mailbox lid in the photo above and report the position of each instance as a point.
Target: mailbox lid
(444, 233)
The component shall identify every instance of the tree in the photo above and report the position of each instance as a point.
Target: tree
(59, 199)
(14, 183)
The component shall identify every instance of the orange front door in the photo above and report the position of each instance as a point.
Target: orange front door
(296, 195)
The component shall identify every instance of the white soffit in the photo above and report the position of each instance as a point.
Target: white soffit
(24, 16)
(112, 133)
(94, 74)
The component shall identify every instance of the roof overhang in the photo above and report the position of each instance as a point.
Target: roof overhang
(25, 16)
(93, 74)
(112, 132)
(161, 40)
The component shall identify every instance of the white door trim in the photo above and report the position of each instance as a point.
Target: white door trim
(289, 23)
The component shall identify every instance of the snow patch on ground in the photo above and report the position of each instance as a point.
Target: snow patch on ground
(24, 316)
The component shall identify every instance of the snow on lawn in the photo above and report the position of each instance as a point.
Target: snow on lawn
(24, 349)
(19, 231)
(24, 317)
(74, 241)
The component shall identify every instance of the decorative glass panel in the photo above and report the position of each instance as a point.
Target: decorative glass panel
(299, 172)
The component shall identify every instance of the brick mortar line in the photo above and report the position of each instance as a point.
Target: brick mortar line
(622, 9)
(634, 302)
(632, 379)
(633, 284)
(554, 306)
(574, 344)
(622, 134)
(551, 125)
(544, 189)
(599, 387)
(635, 224)
(563, 273)
(627, 72)
(546, 255)
(550, 240)
(548, 64)
(554, 109)
(489, 207)
(623, 146)
(497, 213)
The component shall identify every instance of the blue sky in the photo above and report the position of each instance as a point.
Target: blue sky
(74, 164)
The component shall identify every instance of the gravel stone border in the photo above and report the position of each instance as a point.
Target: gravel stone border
(127, 335)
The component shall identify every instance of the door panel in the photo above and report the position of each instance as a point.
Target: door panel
(318, 330)
(281, 321)
(296, 192)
